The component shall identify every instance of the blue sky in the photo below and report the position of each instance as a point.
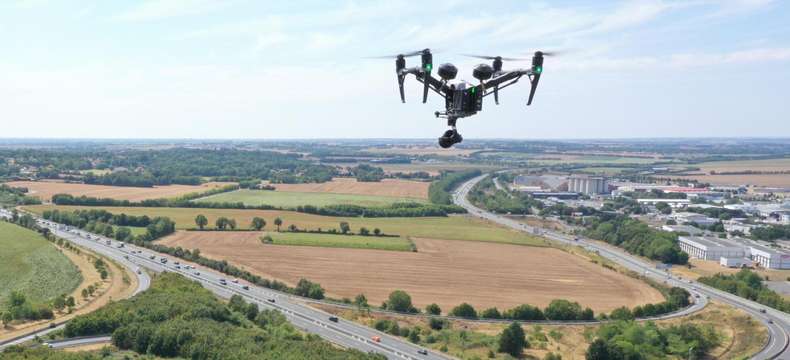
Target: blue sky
(263, 70)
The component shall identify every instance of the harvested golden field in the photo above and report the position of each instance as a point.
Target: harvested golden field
(782, 164)
(45, 190)
(769, 180)
(442, 271)
(386, 187)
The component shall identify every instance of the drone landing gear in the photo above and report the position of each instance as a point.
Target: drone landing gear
(451, 136)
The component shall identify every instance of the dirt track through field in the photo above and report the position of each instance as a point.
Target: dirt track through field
(45, 190)
(386, 187)
(447, 272)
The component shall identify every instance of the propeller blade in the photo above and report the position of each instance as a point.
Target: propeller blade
(486, 57)
(406, 54)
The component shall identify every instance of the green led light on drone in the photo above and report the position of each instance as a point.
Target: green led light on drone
(538, 69)
(428, 67)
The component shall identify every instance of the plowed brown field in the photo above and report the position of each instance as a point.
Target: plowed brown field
(447, 272)
(386, 187)
(45, 190)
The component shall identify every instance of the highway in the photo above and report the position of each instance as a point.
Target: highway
(777, 322)
(343, 333)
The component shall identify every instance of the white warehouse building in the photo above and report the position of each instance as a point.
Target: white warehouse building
(769, 258)
(710, 248)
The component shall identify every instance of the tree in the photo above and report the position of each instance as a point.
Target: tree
(277, 223)
(364, 231)
(465, 311)
(598, 350)
(400, 301)
(251, 311)
(201, 221)
(232, 224)
(344, 227)
(377, 231)
(258, 223)
(361, 302)
(221, 223)
(59, 303)
(561, 309)
(85, 293)
(70, 301)
(433, 309)
(6, 318)
(512, 340)
(491, 313)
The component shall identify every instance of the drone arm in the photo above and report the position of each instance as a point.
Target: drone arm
(511, 77)
(433, 83)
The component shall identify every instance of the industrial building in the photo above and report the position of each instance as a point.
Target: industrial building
(683, 229)
(588, 185)
(769, 258)
(690, 217)
(710, 248)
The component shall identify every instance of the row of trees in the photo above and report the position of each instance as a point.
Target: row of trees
(367, 173)
(101, 222)
(439, 191)
(16, 196)
(638, 238)
(625, 340)
(771, 232)
(139, 179)
(486, 195)
(747, 284)
(403, 209)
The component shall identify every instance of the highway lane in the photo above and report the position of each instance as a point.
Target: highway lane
(344, 333)
(777, 322)
(143, 283)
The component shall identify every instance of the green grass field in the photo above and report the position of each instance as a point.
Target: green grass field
(341, 241)
(31, 264)
(293, 199)
(448, 228)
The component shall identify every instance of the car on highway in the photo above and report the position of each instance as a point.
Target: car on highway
(376, 338)
(422, 352)
(152, 257)
(762, 310)
(333, 319)
(270, 300)
(197, 273)
(235, 281)
(178, 267)
(245, 287)
(223, 282)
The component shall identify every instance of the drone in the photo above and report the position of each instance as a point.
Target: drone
(463, 99)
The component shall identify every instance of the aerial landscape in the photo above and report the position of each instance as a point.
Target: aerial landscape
(239, 180)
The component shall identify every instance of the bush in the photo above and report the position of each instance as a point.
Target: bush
(400, 301)
(465, 311)
(512, 340)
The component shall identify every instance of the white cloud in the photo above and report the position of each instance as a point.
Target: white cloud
(675, 61)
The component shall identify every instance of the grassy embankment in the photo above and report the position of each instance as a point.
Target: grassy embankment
(33, 266)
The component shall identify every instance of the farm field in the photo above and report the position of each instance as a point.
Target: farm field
(31, 264)
(306, 239)
(443, 271)
(45, 190)
(782, 164)
(770, 180)
(386, 187)
(422, 151)
(551, 159)
(434, 168)
(450, 228)
(290, 199)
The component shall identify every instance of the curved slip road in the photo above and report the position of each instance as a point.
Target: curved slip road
(777, 322)
(143, 282)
